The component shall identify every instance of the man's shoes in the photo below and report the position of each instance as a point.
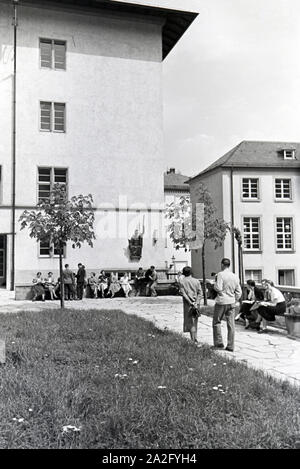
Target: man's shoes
(229, 349)
(262, 331)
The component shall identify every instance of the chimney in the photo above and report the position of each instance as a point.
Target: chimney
(171, 171)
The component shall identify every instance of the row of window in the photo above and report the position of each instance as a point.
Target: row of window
(284, 276)
(252, 235)
(282, 189)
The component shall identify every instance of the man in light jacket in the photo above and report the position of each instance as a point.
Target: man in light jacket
(229, 292)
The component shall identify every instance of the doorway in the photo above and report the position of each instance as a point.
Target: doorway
(2, 261)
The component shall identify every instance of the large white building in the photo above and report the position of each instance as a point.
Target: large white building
(89, 115)
(256, 188)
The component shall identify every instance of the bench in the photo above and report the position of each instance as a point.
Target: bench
(164, 288)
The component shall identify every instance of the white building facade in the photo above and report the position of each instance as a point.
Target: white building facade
(256, 188)
(88, 115)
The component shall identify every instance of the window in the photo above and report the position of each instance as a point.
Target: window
(286, 277)
(283, 189)
(53, 54)
(250, 189)
(251, 233)
(0, 186)
(47, 249)
(52, 116)
(289, 154)
(255, 275)
(284, 233)
(47, 177)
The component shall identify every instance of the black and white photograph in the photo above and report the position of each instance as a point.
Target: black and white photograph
(149, 228)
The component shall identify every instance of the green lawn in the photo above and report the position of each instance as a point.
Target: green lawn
(125, 384)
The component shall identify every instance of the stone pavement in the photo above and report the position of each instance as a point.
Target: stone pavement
(274, 352)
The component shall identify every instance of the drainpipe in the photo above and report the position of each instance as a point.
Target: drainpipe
(13, 215)
(232, 220)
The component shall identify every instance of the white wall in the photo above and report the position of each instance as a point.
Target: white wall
(112, 146)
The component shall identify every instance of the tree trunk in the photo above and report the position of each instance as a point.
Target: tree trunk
(204, 275)
(62, 289)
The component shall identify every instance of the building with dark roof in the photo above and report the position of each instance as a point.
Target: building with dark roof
(256, 187)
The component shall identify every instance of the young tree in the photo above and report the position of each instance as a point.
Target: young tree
(59, 220)
(215, 229)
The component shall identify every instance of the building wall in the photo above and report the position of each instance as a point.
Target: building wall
(269, 260)
(213, 182)
(112, 146)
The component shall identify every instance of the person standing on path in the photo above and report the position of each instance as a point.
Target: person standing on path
(229, 292)
(80, 276)
(191, 291)
(68, 280)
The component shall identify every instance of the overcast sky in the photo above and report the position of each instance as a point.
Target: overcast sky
(235, 75)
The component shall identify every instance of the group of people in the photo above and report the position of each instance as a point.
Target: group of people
(261, 306)
(103, 286)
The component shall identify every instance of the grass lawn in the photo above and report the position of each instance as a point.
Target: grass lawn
(122, 383)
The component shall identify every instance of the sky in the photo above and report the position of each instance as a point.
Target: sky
(234, 75)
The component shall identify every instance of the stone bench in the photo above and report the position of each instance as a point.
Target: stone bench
(164, 288)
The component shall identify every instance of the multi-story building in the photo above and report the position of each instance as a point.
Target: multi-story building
(84, 90)
(176, 186)
(256, 188)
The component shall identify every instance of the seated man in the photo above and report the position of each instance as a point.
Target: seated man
(247, 311)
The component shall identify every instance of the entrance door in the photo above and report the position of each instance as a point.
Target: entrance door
(2, 261)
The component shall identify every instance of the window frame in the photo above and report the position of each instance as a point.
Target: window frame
(250, 199)
(285, 269)
(292, 248)
(289, 150)
(52, 117)
(252, 250)
(254, 270)
(51, 252)
(53, 41)
(282, 199)
(52, 181)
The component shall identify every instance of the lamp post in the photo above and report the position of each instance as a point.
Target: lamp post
(13, 202)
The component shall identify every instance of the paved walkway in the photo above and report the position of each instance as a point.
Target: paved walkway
(273, 353)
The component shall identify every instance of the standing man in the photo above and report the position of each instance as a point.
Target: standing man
(191, 291)
(229, 292)
(80, 276)
(151, 278)
(68, 281)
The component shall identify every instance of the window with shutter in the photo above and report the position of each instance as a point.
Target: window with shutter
(59, 48)
(45, 115)
(46, 53)
(59, 117)
(53, 54)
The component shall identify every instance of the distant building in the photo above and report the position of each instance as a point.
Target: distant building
(175, 186)
(256, 187)
(89, 116)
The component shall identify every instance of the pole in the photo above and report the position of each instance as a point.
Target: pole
(232, 219)
(13, 215)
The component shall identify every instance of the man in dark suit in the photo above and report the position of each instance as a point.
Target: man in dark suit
(80, 276)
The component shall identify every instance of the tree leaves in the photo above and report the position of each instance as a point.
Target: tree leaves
(60, 220)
